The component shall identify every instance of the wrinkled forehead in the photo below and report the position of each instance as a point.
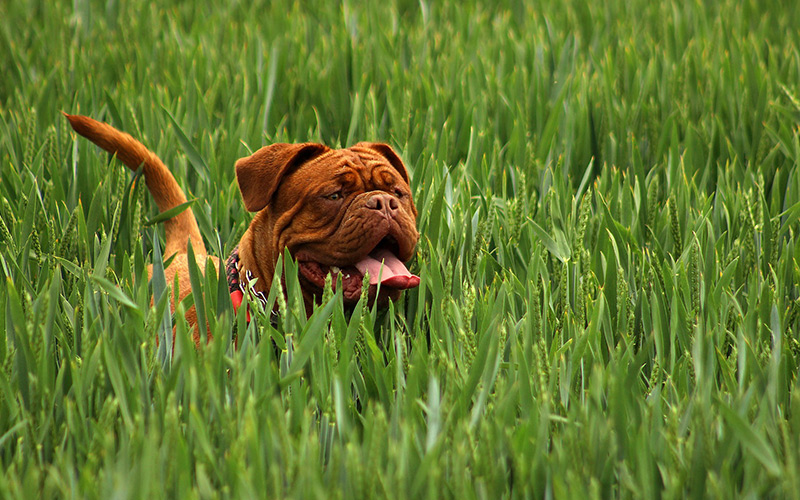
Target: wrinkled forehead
(354, 165)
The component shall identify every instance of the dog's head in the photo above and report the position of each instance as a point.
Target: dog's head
(344, 212)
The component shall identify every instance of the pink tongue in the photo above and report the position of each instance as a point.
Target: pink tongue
(384, 266)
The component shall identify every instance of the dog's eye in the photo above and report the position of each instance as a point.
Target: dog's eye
(335, 196)
(399, 193)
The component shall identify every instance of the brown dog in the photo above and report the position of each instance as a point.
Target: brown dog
(346, 211)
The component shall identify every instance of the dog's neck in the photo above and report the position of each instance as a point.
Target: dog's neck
(258, 259)
(258, 254)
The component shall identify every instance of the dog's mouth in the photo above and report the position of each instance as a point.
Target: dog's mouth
(381, 263)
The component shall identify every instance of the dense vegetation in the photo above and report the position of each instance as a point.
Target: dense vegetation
(609, 202)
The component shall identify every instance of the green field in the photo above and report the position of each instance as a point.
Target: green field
(609, 200)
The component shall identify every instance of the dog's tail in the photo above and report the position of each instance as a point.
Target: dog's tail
(160, 182)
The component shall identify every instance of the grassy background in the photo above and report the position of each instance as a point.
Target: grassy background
(609, 203)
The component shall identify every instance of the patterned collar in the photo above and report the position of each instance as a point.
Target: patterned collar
(238, 288)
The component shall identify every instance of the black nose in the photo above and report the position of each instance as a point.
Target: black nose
(383, 202)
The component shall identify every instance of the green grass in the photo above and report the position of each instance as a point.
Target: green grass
(609, 198)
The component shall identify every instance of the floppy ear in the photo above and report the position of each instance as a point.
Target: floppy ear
(260, 173)
(387, 152)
